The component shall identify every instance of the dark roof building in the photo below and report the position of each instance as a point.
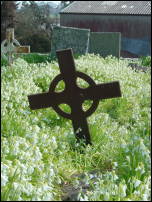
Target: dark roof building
(109, 7)
(131, 18)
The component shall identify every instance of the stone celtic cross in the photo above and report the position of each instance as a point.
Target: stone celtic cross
(73, 95)
(10, 46)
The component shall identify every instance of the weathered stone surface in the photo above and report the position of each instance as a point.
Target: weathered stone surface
(105, 43)
(71, 191)
(10, 46)
(137, 67)
(22, 49)
(69, 37)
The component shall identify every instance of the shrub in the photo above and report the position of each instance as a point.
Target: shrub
(36, 58)
(146, 61)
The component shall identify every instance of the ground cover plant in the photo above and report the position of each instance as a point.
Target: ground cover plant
(39, 152)
(146, 61)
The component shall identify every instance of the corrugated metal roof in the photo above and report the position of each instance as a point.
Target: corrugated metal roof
(109, 7)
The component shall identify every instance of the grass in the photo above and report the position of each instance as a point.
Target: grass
(39, 151)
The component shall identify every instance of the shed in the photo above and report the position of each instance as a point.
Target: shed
(131, 18)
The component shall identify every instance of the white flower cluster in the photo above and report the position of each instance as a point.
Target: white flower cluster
(37, 146)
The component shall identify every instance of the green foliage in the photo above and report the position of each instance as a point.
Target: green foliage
(39, 152)
(36, 58)
(4, 62)
(146, 61)
(39, 42)
(34, 26)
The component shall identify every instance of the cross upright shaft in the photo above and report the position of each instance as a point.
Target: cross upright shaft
(68, 72)
(73, 95)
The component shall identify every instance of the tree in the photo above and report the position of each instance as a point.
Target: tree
(65, 3)
(35, 26)
(8, 16)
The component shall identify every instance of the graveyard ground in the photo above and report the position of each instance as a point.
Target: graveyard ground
(41, 160)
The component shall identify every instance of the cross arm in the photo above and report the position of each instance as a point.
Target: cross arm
(22, 49)
(45, 100)
(102, 91)
(39, 101)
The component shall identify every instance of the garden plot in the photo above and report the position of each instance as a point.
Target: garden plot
(39, 152)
